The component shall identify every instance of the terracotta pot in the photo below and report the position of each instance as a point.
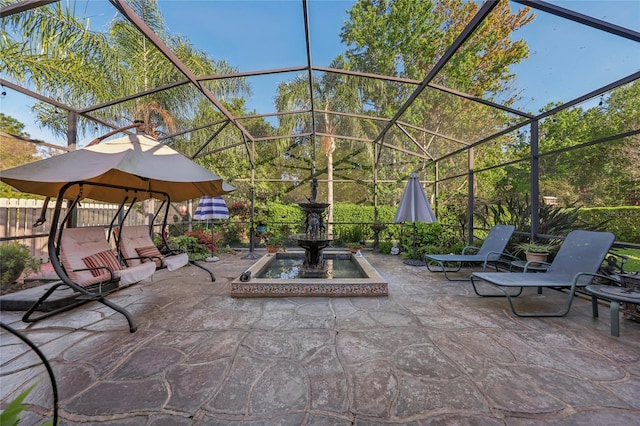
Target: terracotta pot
(273, 249)
(536, 257)
(354, 249)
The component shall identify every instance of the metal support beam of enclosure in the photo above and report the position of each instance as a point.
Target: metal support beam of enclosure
(535, 180)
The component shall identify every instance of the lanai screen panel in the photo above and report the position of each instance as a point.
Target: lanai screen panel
(566, 59)
(402, 152)
(500, 150)
(569, 59)
(462, 121)
(259, 93)
(244, 34)
(605, 172)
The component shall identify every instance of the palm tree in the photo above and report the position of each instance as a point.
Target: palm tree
(333, 92)
(82, 67)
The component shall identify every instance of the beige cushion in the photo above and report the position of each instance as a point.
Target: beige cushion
(140, 272)
(134, 239)
(176, 261)
(79, 243)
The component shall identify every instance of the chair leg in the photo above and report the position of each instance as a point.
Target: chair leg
(213, 278)
(132, 326)
(594, 306)
(444, 270)
(83, 297)
(544, 314)
(504, 292)
(615, 318)
(28, 318)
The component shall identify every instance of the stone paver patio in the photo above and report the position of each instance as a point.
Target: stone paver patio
(430, 353)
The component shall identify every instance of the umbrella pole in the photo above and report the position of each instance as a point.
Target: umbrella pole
(413, 261)
(415, 248)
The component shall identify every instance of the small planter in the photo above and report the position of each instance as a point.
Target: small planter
(536, 257)
(354, 249)
(273, 249)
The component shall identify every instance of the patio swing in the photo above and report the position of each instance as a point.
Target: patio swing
(85, 261)
(123, 170)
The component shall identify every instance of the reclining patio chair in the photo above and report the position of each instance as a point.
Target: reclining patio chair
(87, 263)
(136, 246)
(491, 251)
(575, 265)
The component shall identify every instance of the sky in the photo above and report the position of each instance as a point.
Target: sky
(567, 59)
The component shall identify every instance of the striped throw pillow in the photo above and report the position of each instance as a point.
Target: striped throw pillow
(102, 259)
(150, 253)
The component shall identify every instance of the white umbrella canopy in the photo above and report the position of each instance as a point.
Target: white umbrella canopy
(414, 207)
(137, 161)
(211, 208)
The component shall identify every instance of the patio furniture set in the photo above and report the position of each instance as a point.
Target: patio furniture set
(575, 266)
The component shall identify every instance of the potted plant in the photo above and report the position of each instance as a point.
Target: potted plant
(535, 251)
(274, 243)
(354, 238)
(14, 260)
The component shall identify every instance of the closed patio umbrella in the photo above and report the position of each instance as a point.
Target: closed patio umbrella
(414, 207)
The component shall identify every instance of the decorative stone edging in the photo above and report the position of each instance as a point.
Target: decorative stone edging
(303, 289)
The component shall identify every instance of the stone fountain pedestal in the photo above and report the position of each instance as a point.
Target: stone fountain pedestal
(313, 240)
(314, 265)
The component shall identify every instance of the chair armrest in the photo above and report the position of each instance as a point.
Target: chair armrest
(112, 277)
(470, 249)
(501, 258)
(537, 264)
(142, 258)
(168, 251)
(577, 276)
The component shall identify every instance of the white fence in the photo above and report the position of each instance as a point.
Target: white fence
(17, 217)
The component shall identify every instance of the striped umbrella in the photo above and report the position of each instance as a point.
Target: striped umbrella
(211, 208)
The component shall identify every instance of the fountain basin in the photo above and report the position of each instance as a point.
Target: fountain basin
(337, 284)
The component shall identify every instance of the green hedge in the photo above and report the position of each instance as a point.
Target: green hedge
(624, 222)
(344, 214)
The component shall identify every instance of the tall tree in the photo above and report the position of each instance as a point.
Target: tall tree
(332, 92)
(406, 38)
(54, 49)
(14, 151)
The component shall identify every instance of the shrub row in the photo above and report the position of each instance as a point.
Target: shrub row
(624, 222)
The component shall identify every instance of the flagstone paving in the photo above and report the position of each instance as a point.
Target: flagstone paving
(430, 353)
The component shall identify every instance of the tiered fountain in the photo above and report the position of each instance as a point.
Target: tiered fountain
(336, 273)
(315, 238)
